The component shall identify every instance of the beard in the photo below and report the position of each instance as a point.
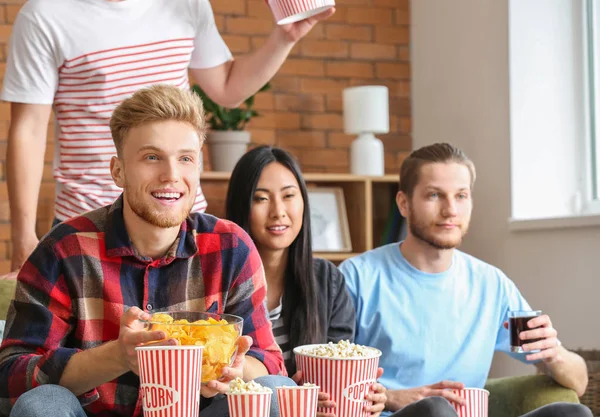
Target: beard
(155, 217)
(424, 231)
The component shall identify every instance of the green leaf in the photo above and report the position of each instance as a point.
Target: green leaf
(249, 101)
(221, 118)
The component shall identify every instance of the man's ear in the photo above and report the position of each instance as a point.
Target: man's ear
(117, 172)
(402, 203)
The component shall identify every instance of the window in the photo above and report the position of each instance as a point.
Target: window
(592, 13)
(552, 170)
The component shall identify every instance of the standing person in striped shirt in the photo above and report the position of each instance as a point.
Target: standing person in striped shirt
(73, 326)
(81, 58)
(307, 297)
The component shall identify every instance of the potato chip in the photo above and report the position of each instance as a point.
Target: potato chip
(218, 337)
(162, 318)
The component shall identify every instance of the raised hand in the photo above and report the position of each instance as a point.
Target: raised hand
(297, 30)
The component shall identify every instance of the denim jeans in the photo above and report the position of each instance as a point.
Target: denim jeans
(56, 401)
(48, 400)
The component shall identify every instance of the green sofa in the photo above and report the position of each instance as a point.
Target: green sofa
(515, 396)
(509, 397)
(7, 290)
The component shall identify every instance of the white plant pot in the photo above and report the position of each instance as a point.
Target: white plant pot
(226, 147)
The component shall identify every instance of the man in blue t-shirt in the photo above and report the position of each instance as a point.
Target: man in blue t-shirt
(438, 314)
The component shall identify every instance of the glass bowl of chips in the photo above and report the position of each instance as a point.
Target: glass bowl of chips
(218, 333)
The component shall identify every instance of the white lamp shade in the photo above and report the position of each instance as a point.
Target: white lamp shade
(366, 109)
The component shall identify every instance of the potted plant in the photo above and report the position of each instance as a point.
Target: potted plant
(227, 140)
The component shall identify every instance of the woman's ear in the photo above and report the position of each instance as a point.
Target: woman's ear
(116, 171)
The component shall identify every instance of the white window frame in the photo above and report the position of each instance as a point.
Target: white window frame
(592, 147)
(583, 201)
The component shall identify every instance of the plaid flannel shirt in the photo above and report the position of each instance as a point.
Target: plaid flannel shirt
(82, 277)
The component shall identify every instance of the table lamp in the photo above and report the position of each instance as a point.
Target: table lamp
(366, 112)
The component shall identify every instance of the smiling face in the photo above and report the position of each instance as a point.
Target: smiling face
(439, 211)
(159, 171)
(277, 209)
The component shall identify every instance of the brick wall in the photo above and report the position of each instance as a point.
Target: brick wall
(365, 42)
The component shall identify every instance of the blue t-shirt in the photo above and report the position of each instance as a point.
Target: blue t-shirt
(431, 327)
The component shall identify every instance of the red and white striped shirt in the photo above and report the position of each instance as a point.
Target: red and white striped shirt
(85, 57)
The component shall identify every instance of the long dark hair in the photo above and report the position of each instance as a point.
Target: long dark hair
(300, 309)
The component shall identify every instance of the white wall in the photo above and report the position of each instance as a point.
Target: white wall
(460, 92)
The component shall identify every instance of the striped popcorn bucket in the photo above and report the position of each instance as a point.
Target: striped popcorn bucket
(347, 380)
(170, 378)
(298, 401)
(476, 402)
(249, 404)
(290, 11)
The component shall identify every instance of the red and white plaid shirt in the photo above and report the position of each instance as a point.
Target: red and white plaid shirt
(82, 277)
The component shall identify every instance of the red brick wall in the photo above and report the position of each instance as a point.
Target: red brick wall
(365, 42)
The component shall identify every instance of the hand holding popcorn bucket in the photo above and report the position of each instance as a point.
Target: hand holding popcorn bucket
(170, 378)
(344, 370)
(290, 11)
(476, 402)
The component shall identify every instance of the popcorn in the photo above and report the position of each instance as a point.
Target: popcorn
(341, 350)
(248, 399)
(238, 386)
(344, 370)
(308, 385)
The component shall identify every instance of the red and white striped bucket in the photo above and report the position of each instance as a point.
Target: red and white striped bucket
(298, 401)
(249, 404)
(170, 378)
(476, 404)
(290, 11)
(347, 380)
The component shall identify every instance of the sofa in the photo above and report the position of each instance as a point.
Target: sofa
(515, 396)
(7, 290)
(509, 397)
